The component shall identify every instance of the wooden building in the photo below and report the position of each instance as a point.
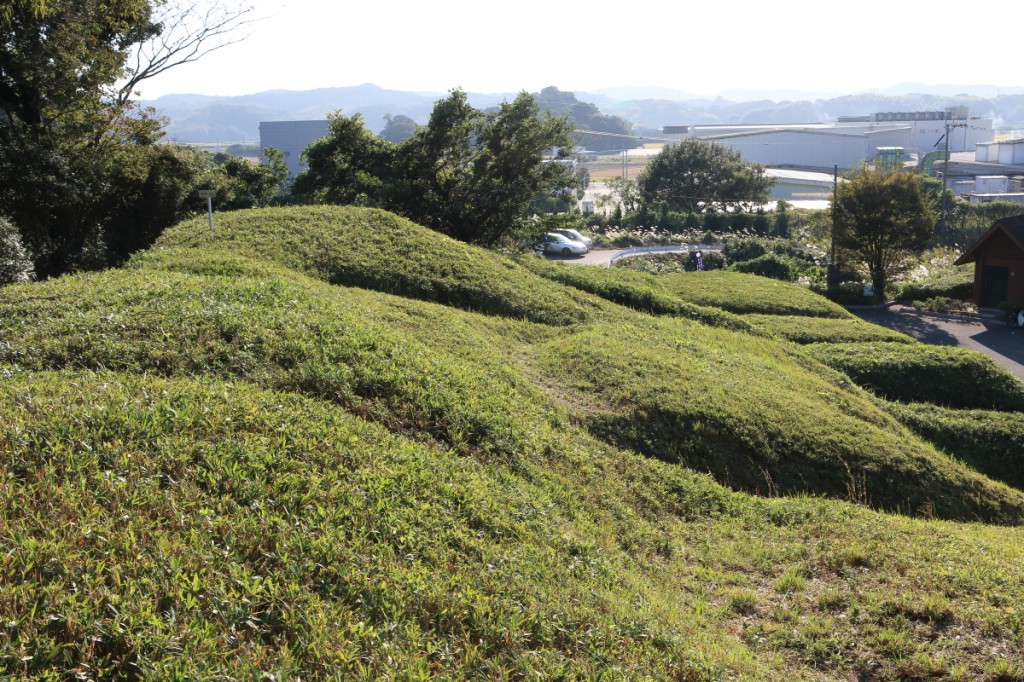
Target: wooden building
(998, 258)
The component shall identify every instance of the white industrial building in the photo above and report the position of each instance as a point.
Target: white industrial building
(847, 141)
(291, 139)
(1006, 152)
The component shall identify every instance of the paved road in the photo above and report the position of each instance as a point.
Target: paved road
(604, 256)
(987, 335)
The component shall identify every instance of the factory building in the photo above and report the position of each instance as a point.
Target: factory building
(846, 142)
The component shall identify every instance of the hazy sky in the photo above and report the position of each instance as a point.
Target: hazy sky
(702, 47)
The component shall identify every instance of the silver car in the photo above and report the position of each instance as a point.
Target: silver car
(559, 244)
(574, 235)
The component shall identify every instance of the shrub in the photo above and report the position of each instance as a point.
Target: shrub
(15, 264)
(944, 304)
(847, 293)
(770, 265)
(737, 249)
(949, 288)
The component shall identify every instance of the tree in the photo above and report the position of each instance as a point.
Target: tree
(882, 219)
(76, 154)
(625, 192)
(350, 165)
(187, 31)
(398, 128)
(469, 174)
(694, 175)
(243, 184)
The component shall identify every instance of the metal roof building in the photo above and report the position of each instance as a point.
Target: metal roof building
(846, 142)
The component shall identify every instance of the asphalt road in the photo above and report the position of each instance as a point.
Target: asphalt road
(986, 335)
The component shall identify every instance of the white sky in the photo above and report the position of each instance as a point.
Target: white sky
(702, 47)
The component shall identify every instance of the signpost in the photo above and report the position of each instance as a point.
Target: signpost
(208, 194)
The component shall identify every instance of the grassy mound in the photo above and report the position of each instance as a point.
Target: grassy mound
(217, 464)
(381, 251)
(636, 290)
(757, 419)
(920, 373)
(285, 332)
(184, 517)
(987, 440)
(803, 329)
(196, 528)
(737, 292)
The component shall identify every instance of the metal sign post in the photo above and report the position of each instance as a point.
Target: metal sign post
(208, 194)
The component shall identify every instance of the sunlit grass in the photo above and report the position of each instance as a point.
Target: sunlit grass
(262, 455)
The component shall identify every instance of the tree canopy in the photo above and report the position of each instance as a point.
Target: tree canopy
(81, 166)
(467, 173)
(397, 128)
(694, 175)
(350, 165)
(882, 218)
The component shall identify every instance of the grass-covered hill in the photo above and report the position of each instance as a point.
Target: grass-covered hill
(326, 443)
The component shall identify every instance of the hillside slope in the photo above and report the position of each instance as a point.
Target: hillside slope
(299, 446)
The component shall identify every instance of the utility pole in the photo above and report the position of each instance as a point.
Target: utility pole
(945, 181)
(944, 214)
(832, 274)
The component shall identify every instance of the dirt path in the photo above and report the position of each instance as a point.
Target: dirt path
(987, 335)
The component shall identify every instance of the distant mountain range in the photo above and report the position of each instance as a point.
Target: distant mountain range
(213, 119)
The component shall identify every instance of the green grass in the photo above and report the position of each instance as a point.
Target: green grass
(380, 251)
(920, 373)
(758, 417)
(742, 293)
(633, 289)
(803, 329)
(986, 440)
(220, 462)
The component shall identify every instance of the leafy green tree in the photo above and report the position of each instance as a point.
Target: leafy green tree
(883, 219)
(398, 128)
(694, 175)
(161, 191)
(244, 184)
(76, 155)
(469, 174)
(627, 192)
(350, 165)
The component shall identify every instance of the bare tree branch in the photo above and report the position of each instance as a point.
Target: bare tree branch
(187, 31)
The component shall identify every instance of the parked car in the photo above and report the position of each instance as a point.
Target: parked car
(561, 245)
(575, 235)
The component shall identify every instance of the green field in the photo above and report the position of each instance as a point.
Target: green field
(326, 443)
